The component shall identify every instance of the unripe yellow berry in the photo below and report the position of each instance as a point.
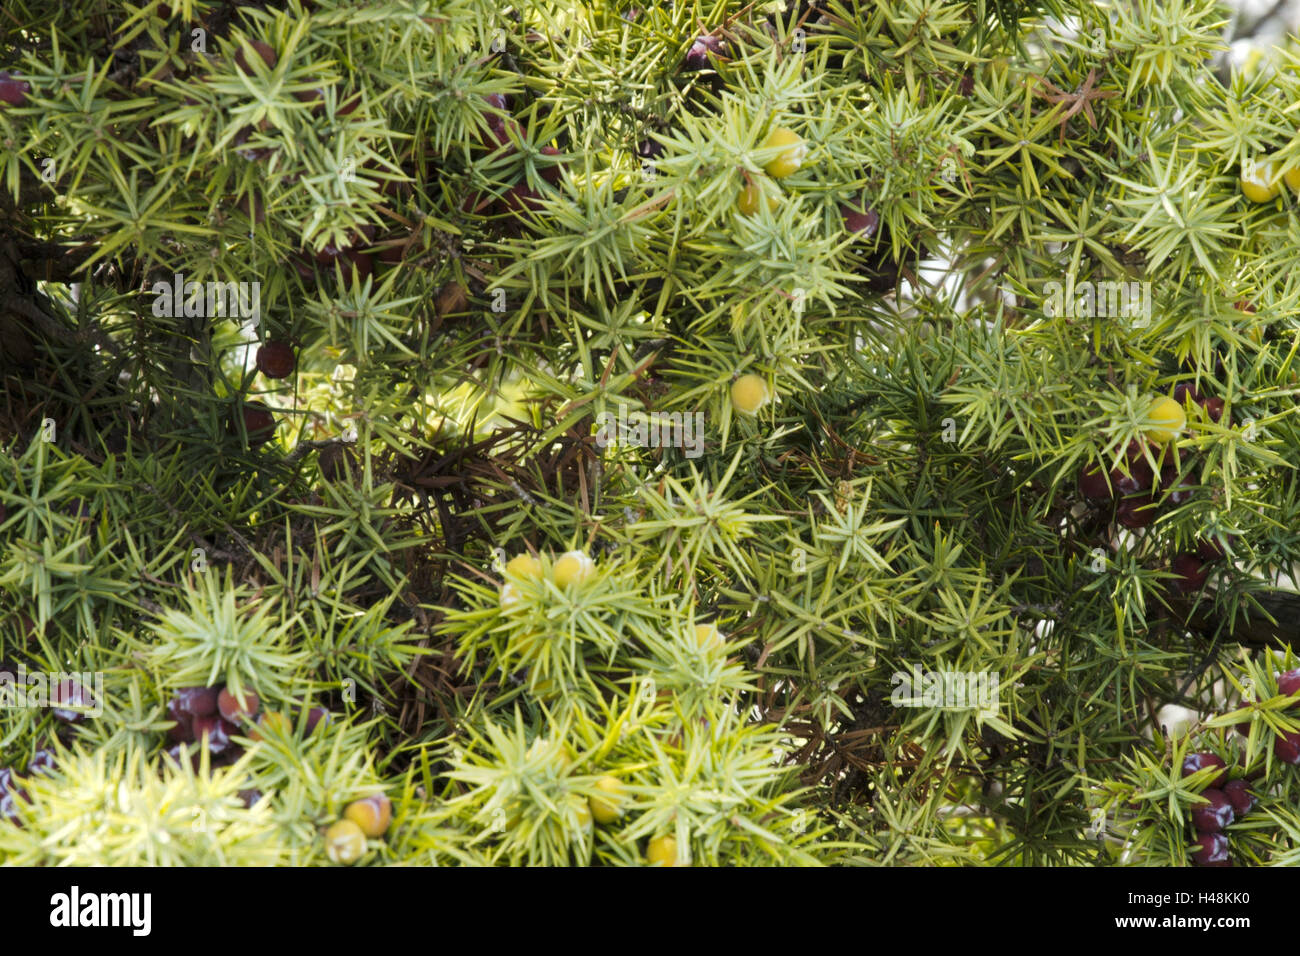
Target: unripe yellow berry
(707, 637)
(345, 842)
(573, 567)
(509, 594)
(1291, 176)
(1153, 70)
(524, 566)
(1258, 180)
(662, 850)
(558, 754)
(581, 810)
(606, 810)
(750, 197)
(788, 160)
(372, 814)
(1168, 419)
(749, 393)
(273, 722)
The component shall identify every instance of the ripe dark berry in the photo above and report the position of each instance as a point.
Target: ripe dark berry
(1212, 549)
(315, 95)
(197, 701)
(10, 792)
(360, 263)
(1140, 477)
(327, 254)
(264, 50)
(1199, 761)
(861, 218)
(250, 153)
(1239, 795)
(182, 731)
(1214, 408)
(649, 149)
(13, 90)
(1288, 683)
(252, 208)
(1287, 748)
(499, 127)
(1093, 484)
(215, 732)
(551, 172)
(697, 57)
(276, 359)
(1180, 490)
(1136, 512)
(1191, 572)
(317, 716)
(259, 423)
(1214, 816)
(72, 694)
(42, 762)
(1185, 390)
(192, 755)
(521, 198)
(235, 709)
(1212, 850)
(250, 797)
(271, 722)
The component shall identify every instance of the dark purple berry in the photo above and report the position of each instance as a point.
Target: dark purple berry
(697, 57)
(264, 50)
(1093, 484)
(1191, 572)
(1136, 512)
(859, 218)
(1212, 549)
(259, 423)
(196, 701)
(550, 173)
(42, 762)
(522, 198)
(10, 792)
(1239, 795)
(317, 716)
(362, 263)
(1183, 391)
(13, 90)
(1180, 490)
(1287, 748)
(192, 755)
(276, 359)
(215, 732)
(1199, 761)
(650, 149)
(1288, 683)
(1214, 407)
(1214, 816)
(1212, 850)
(72, 694)
(1139, 478)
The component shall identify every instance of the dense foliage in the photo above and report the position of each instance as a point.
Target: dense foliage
(918, 272)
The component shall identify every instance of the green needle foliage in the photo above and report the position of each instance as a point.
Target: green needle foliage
(599, 520)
